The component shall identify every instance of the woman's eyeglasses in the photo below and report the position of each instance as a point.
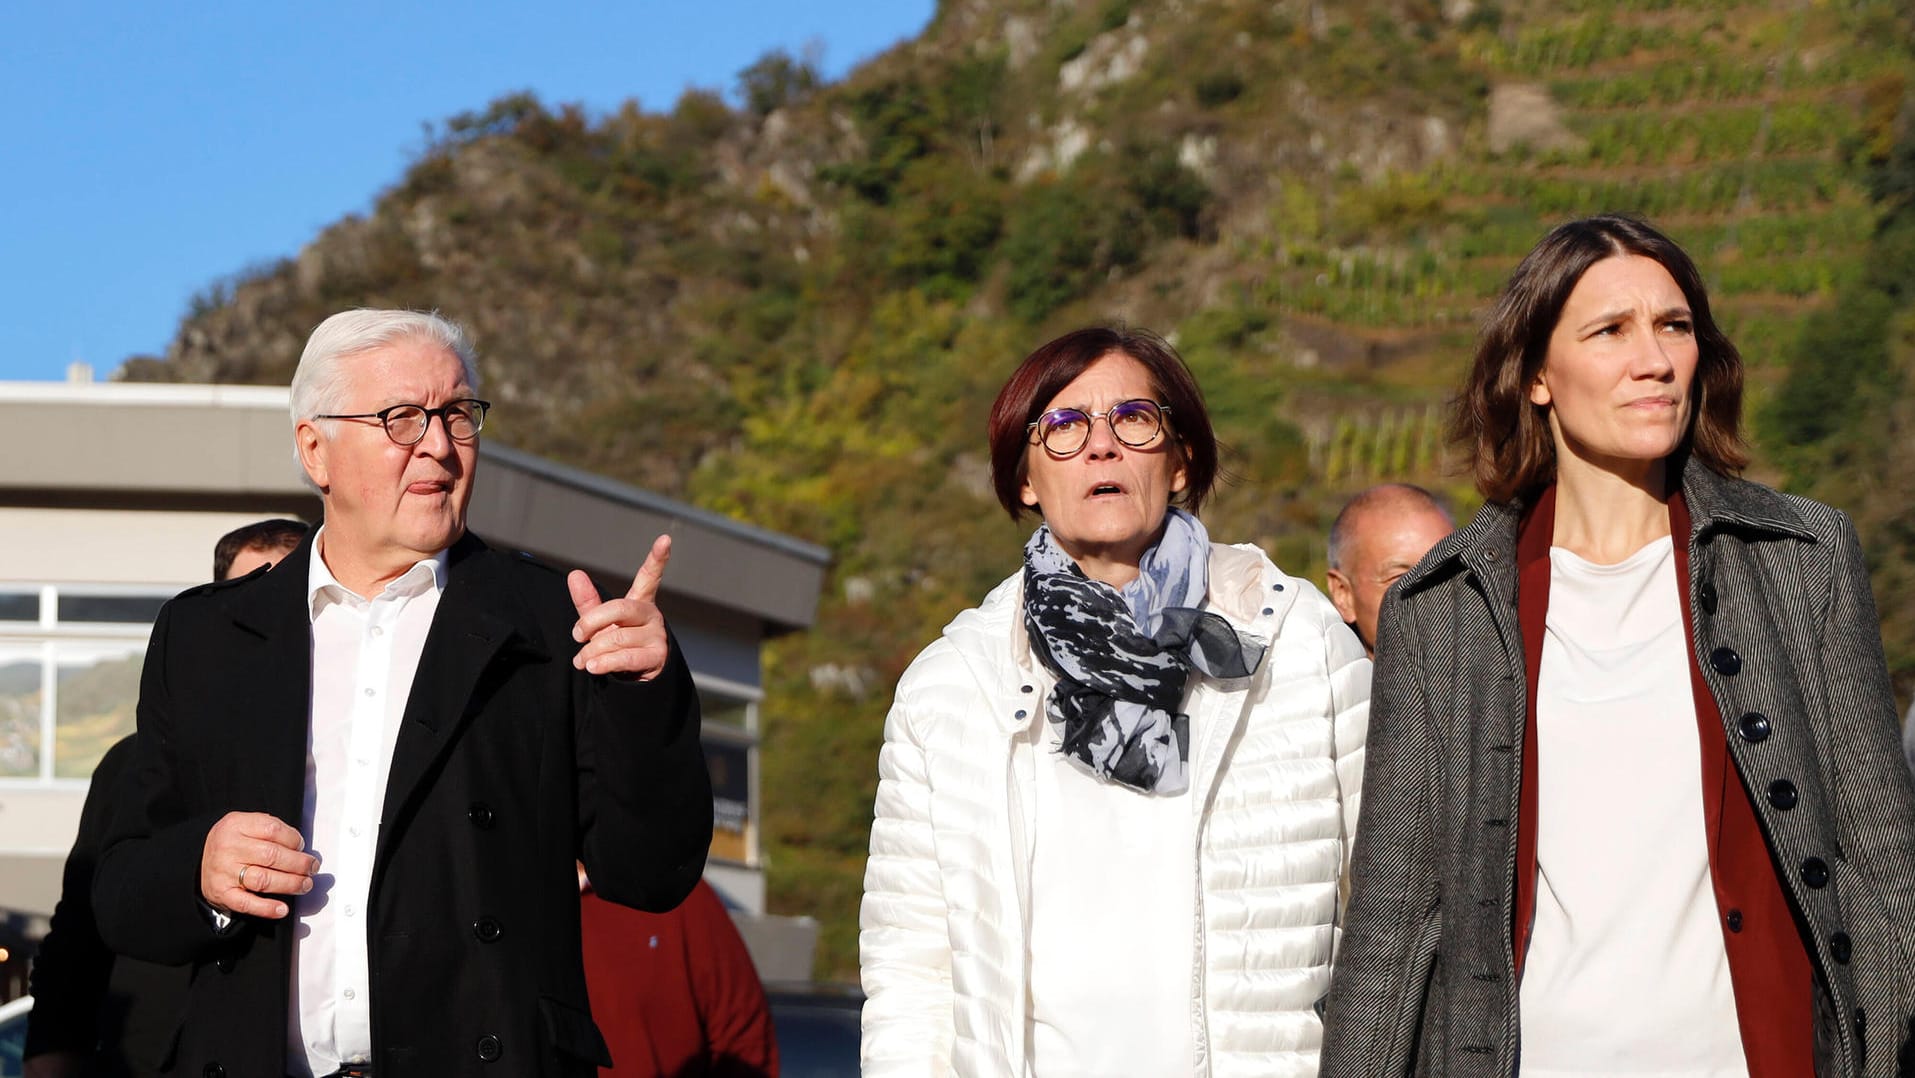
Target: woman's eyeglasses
(1064, 431)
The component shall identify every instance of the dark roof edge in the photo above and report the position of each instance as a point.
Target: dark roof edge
(613, 490)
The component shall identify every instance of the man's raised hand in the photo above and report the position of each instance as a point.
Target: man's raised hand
(627, 635)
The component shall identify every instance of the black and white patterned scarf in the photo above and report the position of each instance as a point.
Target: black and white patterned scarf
(1122, 658)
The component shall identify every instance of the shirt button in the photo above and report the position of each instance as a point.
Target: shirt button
(377, 631)
(350, 911)
(369, 690)
(350, 994)
(1021, 713)
(353, 831)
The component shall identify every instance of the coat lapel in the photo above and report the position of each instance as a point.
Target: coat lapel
(275, 691)
(469, 630)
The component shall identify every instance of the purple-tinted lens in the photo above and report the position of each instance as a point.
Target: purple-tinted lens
(1063, 430)
(1135, 422)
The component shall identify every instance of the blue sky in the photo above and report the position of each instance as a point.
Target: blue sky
(152, 149)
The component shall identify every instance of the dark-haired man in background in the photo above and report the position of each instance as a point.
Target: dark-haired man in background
(245, 549)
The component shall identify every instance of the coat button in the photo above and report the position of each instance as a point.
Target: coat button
(481, 816)
(489, 1048)
(1840, 947)
(1025, 688)
(1782, 794)
(212, 1070)
(1708, 597)
(224, 963)
(487, 929)
(1815, 872)
(1269, 610)
(1734, 920)
(1726, 661)
(1754, 727)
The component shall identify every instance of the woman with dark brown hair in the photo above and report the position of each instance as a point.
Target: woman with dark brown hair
(1113, 798)
(1634, 802)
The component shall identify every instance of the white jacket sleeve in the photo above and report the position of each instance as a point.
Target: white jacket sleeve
(904, 950)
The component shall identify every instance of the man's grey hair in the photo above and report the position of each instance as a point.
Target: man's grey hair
(1407, 495)
(319, 384)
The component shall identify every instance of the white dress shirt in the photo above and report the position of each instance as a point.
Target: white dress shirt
(364, 655)
(1626, 972)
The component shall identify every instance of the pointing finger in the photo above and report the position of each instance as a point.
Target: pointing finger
(645, 584)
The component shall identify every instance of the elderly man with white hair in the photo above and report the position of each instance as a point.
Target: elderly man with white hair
(363, 778)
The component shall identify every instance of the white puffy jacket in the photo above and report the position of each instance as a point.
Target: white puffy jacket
(1276, 758)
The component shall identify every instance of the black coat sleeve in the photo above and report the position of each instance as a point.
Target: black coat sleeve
(645, 810)
(146, 886)
(70, 972)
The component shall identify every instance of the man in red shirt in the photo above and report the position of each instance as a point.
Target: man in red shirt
(675, 994)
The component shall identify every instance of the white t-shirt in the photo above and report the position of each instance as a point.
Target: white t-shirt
(1625, 972)
(1113, 908)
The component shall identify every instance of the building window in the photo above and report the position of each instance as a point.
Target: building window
(730, 739)
(70, 659)
(20, 605)
(21, 672)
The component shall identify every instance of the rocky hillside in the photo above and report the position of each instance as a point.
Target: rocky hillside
(796, 309)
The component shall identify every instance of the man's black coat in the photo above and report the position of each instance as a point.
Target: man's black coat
(508, 765)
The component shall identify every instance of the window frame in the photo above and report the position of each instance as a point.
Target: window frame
(49, 638)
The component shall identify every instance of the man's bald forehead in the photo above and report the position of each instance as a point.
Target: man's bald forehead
(1394, 498)
(1397, 497)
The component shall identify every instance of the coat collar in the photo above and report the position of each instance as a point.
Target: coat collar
(1720, 503)
(1487, 545)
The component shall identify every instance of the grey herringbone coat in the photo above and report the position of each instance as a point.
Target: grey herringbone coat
(1424, 982)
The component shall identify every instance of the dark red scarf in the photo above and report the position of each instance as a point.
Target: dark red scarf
(1768, 965)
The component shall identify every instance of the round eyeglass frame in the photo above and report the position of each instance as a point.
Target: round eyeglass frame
(1041, 432)
(471, 409)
